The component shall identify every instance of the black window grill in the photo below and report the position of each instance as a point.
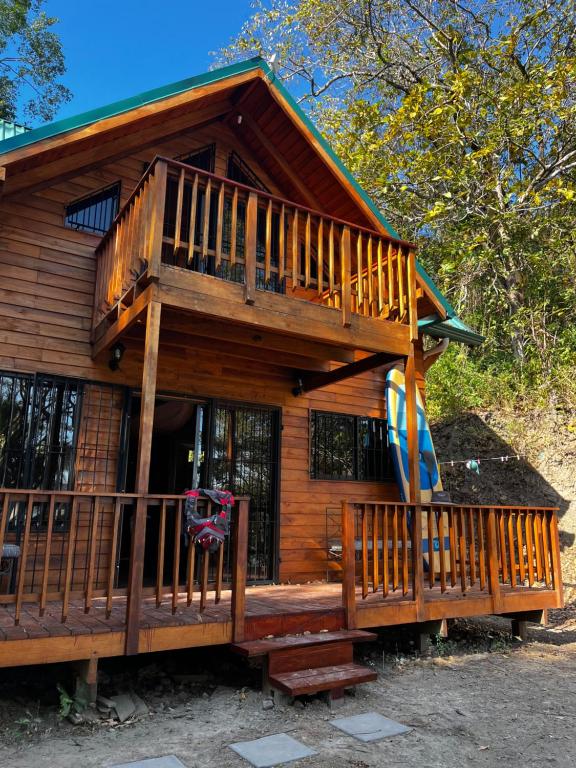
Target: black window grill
(347, 447)
(96, 212)
(203, 158)
(241, 172)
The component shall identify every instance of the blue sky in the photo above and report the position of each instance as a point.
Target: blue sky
(118, 48)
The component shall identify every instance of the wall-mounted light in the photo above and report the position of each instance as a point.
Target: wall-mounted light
(116, 354)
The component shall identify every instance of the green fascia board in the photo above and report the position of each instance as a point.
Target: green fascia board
(214, 76)
(125, 105)
(452, 328)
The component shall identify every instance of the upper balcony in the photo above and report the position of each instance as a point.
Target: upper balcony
(209, 245)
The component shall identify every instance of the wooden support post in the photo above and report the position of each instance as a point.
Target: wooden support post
(251, 243)
(348, 565)
(142, 476)
(412, 429)
(346, 277)
(427, 630)
(86, 680)
(240, 550)
(157, 222)
(520, 629)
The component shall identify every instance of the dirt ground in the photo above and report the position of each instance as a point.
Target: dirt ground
(477, 698)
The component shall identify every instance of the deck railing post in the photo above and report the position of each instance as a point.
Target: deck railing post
(251, 245)
(556, 566)
(142, 476)
(349, 565)
(157, 220)
(493, 561)
(417, 561)
(240, 553)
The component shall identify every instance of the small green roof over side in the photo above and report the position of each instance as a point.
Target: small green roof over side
(26, 137)
(450, 328)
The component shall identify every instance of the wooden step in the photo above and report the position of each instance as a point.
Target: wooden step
(253, 648)
(309, 681)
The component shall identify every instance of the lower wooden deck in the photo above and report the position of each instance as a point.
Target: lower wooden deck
(277, 610)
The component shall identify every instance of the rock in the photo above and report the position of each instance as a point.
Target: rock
(105, 703)
(268, 704)
(124, 706)
(299, 704)
(141, 708)
(75, 718)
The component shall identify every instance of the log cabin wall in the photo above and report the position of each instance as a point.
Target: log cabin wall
(47, 274)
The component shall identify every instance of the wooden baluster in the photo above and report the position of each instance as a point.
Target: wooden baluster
(360, 272)
(395, 580)
(471, 547)
(452, 536)
(219, 225)
(320, 256)
(405, 580)
(206, 221)
(481, 550)
(204, 579)
(92, 554)
(380, 305)
(369, 271)
(46, 569)
(441, 548)
(295, 252)
(375, 550)
(346, 277)
(364, 552)
(4, 518)
(113, 551)
(251, 240)
(493, 564)
(538, 545)
(412, 307)
(268, 241)
(390, 271)
(520, 542)
(331, 258)
(192, 228)
(401, 295)
(161, 545)
(530, 548)
(546, 550)
(179, 206)
(513, 579)
(307, 250)
(282, 245)
(219, 573)
(503, 548)
(556, 564)
(70, 558)
(23, 560)
(233, 226)
(385, 550)
(430, 525)
(191, 562)
(176, 562)
(462, 548)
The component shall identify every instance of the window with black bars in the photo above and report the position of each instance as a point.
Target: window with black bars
(96, 212)
(347, 447)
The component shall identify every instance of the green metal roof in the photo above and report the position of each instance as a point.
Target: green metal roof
(451, 328)
(27, 137)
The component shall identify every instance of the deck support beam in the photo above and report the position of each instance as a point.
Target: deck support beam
(86, 680)
(149, 372)
(311, 381)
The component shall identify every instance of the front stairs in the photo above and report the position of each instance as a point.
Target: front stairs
(297, 665)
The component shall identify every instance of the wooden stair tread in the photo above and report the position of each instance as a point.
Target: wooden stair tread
(322, 679)
(253, 648)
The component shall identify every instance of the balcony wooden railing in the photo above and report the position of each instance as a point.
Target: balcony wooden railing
(69, 554)
(416, 551)
(187, 218)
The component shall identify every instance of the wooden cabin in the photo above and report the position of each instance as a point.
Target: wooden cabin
(194, 292)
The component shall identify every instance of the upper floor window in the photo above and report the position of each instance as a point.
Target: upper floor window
(96, 212)
(346, 447)
(203, 158)
(239, 171)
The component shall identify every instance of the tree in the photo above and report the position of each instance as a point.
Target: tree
(459, 118)
(31, 61)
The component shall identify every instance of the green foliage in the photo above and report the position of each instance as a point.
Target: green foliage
(459, 119)
(31, 61)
